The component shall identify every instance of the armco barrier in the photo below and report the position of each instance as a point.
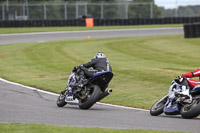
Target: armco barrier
(100, 22)
(192, 30)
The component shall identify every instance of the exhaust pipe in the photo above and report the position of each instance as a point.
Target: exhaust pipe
(105, 94)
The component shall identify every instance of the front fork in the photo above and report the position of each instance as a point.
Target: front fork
(69, 94)
(76, 93)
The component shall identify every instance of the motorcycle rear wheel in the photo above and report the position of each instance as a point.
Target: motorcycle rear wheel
(157, 108)
(189, 111)
(91, 98)
(61, 101)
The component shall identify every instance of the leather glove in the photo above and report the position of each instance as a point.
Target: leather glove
(75, 68)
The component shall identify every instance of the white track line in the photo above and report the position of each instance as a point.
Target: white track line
(28, 87)
(51, 93)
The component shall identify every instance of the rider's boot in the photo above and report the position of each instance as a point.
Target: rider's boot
(64, 92)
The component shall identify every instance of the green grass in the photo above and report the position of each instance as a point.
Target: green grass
(143, 66)
(41, 128)
(53, 29)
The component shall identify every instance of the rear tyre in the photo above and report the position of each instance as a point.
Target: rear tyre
(157, 108)
(61, 101)
(189, 111)
(91, 98)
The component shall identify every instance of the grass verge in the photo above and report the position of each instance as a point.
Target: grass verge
(143, 66)
(41, 128)
(53, 29)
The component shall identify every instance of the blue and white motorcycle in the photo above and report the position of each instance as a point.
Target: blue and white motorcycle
(88, 94)
(175, 104)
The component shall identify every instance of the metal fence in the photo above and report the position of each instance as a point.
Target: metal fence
(70, 11)
(64, 11)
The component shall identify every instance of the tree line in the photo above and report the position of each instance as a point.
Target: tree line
(182, 11)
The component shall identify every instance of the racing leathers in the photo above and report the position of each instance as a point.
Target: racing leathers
(98, 65)
(187, 84)
(189, 75)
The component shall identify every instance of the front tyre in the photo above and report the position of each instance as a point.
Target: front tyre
(90, 98)
(61, 101)
(157, 108)
(192, 110)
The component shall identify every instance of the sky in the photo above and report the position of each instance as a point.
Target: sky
(174, 3)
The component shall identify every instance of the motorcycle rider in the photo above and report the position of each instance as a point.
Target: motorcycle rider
(99, 64)
(187, 83)
(189, 75)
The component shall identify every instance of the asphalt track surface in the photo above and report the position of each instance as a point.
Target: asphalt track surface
(23, 104)
(52, 36)
(28, 105)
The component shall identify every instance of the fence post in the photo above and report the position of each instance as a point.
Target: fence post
(127, 4)
(27, 10)
(65, 7)
(76, 10)
(45, 13)
(151, 9)
(3, 11)
(86, 9)
(102, 10)
(23, 11)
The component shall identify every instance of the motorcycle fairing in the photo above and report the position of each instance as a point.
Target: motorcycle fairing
(170, 108)
(102, 79)
(72, 79)
(196, 88)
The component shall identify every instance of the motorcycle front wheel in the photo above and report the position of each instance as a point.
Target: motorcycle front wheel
(191, 110)
(157, 108)
(61, 101)
(90, 98)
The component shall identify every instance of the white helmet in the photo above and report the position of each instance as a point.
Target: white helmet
(100, 55)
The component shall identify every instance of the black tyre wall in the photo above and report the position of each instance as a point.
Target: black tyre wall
(193, 112)
(92, 99)
(154, 112)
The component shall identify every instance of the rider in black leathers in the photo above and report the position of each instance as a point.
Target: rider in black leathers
(99, 64)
